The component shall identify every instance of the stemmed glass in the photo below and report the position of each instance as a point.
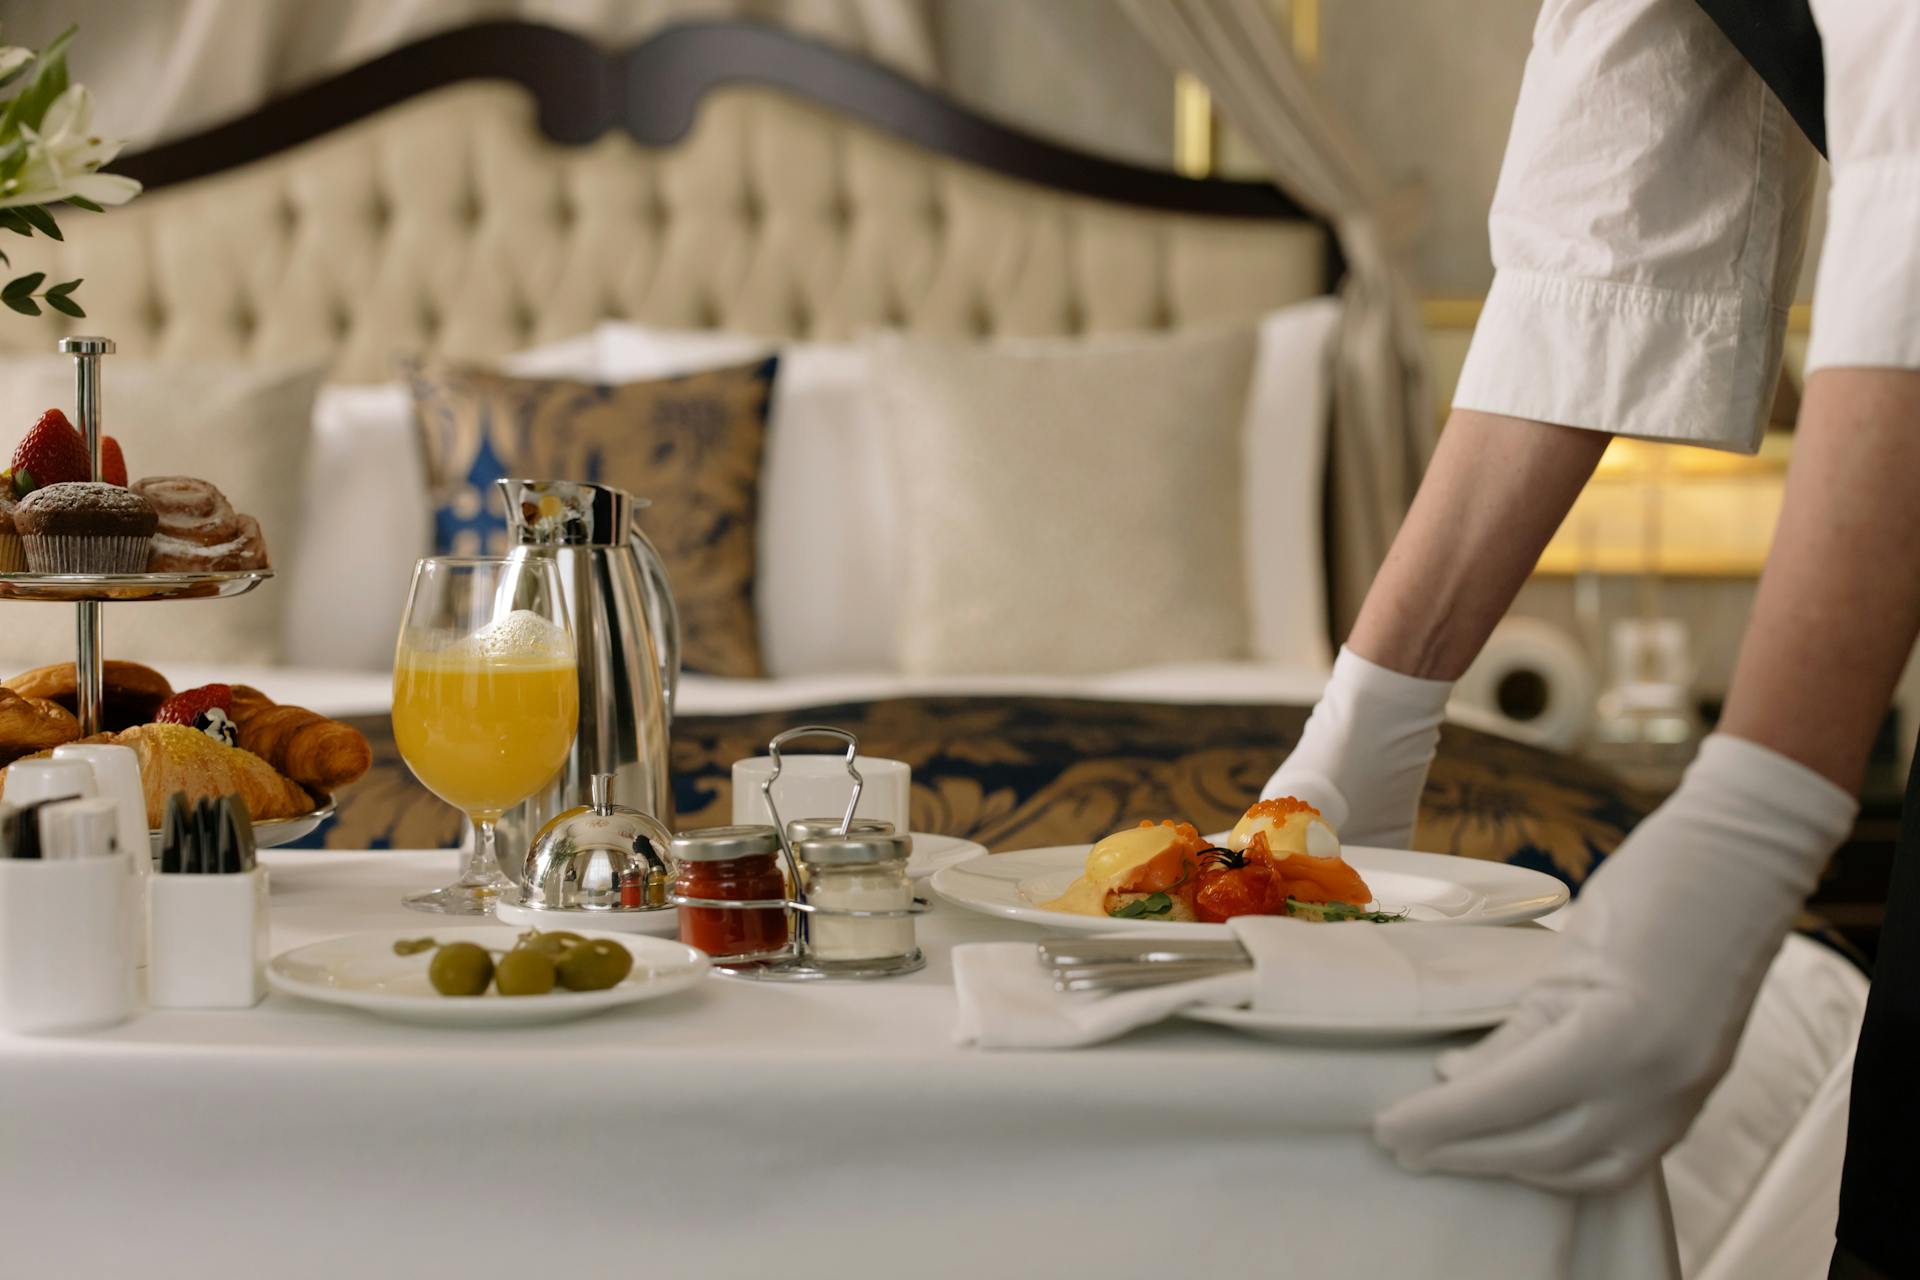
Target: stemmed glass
(485, 699)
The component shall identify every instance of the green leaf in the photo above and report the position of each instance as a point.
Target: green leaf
(13, 158)
(22, 286)
(49, 82)
(64, 288)
(12, 221)
(81, 202)
(41, 221)
(1158, 904)
(65, 306)
(19, 302)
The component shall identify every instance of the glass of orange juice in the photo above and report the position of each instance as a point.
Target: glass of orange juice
(485, 699)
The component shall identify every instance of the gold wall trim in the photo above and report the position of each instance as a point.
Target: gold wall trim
(1451, 313)
(1305, 15)
(1193, 127)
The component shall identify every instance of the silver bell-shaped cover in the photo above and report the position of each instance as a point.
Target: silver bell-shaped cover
(598, 857)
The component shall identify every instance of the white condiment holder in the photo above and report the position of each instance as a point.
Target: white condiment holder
(208, 937)
(66, 943)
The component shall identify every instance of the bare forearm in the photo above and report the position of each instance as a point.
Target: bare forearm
(1839, 602)
(1497, 490)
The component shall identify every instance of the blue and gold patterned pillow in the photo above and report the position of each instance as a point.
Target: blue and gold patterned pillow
(692, 445)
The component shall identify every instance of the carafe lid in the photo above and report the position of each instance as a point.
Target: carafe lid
(568, 513)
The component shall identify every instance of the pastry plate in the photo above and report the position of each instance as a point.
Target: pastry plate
(360, 971)
(1299, 1029)
(124, 588)
(275, 832)
(1434, 887)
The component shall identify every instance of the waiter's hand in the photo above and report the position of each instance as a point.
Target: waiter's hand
(1611, 1054)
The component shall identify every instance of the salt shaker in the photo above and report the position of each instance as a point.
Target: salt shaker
(861, 901)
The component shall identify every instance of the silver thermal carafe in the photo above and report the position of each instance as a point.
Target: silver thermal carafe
(627, 636)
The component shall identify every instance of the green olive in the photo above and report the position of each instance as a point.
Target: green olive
(595, 965)
(524, 971)
(461, 969)
(553, 944)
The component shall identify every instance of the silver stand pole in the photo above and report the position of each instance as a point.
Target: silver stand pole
(89, 658)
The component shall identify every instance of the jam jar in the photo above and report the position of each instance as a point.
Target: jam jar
(732, 865)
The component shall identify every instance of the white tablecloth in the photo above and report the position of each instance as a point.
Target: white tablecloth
(736, 1130)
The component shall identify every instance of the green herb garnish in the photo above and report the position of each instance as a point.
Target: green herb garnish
(1158, 904)
(1342, 911)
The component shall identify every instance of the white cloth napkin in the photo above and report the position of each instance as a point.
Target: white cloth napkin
(1345, 971)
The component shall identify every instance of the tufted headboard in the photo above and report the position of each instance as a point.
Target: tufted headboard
(505, 184)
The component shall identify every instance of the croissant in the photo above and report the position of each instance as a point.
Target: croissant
(133, 693)
(28, 725)
(308, 747)
(177, 757)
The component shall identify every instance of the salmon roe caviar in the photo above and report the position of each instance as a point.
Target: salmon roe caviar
(1281, 807)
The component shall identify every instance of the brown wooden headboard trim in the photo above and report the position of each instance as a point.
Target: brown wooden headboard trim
(653, 91)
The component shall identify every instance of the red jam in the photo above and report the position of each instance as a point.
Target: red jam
(728, 933)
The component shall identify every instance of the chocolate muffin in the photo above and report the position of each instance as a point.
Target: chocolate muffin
(85, 528)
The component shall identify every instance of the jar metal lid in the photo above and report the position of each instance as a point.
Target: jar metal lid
(861, 849)
(720, 844)
(808, 828)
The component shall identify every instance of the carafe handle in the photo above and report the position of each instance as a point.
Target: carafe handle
(663, 617)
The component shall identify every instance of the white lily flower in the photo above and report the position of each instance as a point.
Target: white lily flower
(12, 56)
(62, 156)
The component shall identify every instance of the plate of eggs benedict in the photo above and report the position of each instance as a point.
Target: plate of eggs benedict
(1280, 858)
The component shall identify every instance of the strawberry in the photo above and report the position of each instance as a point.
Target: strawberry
(189, 705)
(113, 463)
(52, 453)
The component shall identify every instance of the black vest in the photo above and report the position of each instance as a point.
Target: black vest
(1780, 41)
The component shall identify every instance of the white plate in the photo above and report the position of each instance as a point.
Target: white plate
(1435, 887)
(361, 971)
(508, 909)
(933, 853)
(1296, 1029)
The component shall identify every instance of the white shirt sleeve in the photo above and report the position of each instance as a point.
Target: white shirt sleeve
(1647, 230)
(1866, 303)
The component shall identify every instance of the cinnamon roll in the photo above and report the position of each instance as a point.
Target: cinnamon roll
(199, 530)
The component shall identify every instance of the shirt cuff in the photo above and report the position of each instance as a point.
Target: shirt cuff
(1659, 364)
(1866, 302)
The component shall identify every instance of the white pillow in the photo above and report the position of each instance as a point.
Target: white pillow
(245, 428)
(1075, 506)
(368, 516)
(1289, 405)
(829, 579)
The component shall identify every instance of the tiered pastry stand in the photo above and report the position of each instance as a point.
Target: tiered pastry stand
(88, 591)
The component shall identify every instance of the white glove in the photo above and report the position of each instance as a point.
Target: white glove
(1612, 1053)
(1362, 759)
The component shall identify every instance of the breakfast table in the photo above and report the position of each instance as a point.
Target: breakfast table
(736, 1129)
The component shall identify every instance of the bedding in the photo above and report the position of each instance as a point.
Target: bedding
(1023, 771)
(691, 445)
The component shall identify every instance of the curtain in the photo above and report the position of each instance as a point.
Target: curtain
(1382, 426)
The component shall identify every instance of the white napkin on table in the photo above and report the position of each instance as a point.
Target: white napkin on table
(1349, 970)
